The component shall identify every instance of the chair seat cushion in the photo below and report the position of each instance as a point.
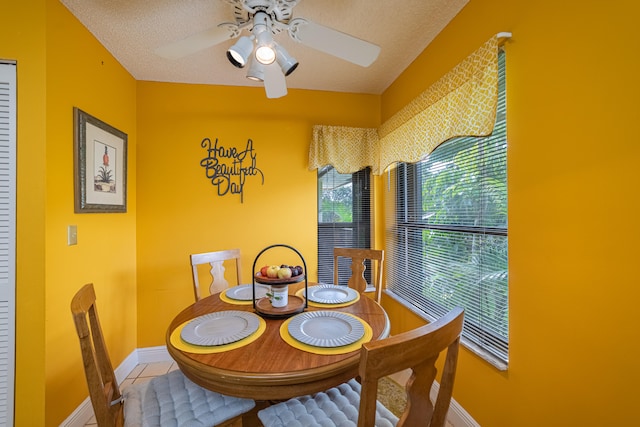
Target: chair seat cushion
(174, 400)
(336, 407)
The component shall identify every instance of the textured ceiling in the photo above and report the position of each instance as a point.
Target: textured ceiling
(132, 29)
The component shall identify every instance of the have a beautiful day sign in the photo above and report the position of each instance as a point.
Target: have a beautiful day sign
(228, 168)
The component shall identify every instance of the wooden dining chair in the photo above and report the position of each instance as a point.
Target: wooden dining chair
(216, 261)
(169, 399)
(358, 257)
(354, 403)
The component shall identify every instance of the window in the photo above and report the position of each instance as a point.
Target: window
(447, 236)
(343, 219)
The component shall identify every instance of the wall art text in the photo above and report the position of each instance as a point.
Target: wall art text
(228, 167)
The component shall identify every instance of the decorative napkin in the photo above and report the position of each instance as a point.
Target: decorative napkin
(286, 336)
(182, 345)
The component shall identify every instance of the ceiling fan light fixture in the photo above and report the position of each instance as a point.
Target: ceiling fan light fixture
(287, 63)
(265, 55)
(265, 50)
(265, 59)
(239, 53)
(255, 71)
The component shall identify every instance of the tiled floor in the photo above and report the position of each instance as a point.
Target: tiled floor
(141, 373)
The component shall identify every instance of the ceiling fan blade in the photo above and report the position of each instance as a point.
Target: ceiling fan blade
(334, 42)
(198, 41)
(274, 82)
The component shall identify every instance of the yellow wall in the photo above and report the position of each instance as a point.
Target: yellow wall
(573, 151)
(179, 209)
(22, 38)
(81, 73)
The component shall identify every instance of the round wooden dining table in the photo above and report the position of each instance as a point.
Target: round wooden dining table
(269, 368)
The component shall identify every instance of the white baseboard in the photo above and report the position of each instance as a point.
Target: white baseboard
(84, 412)
(80, 416)
(153, 355)
(457, 416)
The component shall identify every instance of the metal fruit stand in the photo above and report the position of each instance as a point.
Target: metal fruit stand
(295, 304)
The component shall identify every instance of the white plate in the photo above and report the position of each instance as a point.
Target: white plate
(326, 328)
(219, 328)
(331, 294)
(245, 292)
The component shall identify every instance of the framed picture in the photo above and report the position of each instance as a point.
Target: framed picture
(100, 165)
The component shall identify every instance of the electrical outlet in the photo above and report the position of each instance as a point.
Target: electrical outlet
(72, 235)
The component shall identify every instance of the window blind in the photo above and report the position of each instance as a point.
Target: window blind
(446, 237)
(344, 219)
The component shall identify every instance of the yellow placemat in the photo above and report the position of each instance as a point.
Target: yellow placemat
(182, 345)
(284, 333)
(319, 304)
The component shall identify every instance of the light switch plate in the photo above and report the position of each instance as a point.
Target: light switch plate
(72, 235)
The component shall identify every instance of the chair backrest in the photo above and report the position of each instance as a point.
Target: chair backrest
(417, 349)
(358, 257)
(216, 261)
(103, 387)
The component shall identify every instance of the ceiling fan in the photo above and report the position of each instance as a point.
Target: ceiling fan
(267, 60)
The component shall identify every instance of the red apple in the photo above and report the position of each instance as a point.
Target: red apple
(263, 271)
(284, 273)
(272, 271)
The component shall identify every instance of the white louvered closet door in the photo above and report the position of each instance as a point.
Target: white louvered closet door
(7, 239)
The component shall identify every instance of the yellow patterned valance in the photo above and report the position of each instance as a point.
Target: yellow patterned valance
(462, 103)
(347, 149)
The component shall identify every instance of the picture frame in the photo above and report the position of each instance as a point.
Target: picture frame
(100, 165)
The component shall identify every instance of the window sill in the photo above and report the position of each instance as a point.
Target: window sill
(484, 355)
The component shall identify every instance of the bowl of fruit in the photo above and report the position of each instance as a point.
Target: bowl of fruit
(279, 274)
